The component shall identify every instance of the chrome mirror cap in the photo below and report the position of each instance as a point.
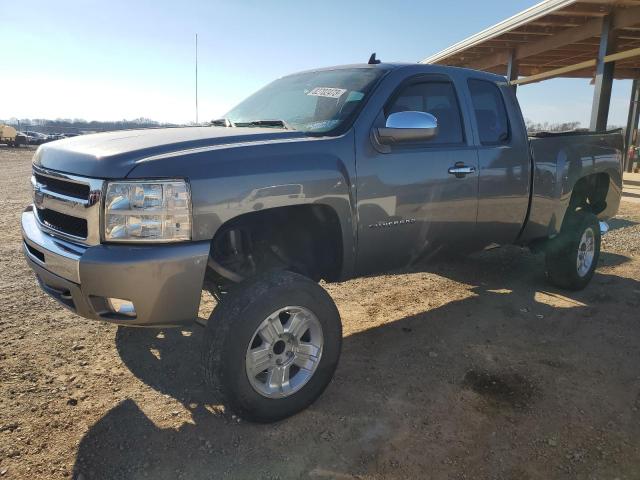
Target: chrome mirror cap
(411, 119)
(407, 127)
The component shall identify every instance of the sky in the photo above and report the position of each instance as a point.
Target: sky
(118, 59)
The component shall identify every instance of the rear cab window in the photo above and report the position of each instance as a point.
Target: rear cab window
(490, 112)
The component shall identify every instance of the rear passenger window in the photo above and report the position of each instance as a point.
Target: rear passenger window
(438, 99)
(491, 114)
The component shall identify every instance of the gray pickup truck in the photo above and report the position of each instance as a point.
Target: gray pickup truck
(322, 175)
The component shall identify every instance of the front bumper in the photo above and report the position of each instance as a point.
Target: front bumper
(163, 282)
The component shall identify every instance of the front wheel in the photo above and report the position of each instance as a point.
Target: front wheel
(272, 346)
(572, 256)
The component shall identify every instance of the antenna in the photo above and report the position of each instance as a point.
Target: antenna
(196, 78)
(373, 60)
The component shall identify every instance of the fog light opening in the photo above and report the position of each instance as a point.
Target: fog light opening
(121, 307)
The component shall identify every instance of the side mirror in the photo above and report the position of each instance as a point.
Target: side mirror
(407, 127)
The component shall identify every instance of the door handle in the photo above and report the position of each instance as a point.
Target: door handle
(460, 170)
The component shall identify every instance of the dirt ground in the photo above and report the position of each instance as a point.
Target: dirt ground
(470, 368)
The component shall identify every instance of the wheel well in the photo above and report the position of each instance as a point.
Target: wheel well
(306, 239)
(590, 193)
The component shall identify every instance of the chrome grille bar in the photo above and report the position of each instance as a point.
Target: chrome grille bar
(50, 198)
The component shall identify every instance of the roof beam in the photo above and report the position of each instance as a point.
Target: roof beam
(498, 58)
(614, 57)
(626, 17)
(557, 72)
(587, 10)
(561, 39)
(559, 21)
(620, 73)
(567, 49)
(565, 37)
(535, 30)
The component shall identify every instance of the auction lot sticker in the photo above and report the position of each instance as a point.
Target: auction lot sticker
(327, 92)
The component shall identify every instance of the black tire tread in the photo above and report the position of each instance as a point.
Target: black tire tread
(222, 319)
(560, 255)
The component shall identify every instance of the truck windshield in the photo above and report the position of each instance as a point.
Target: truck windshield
(310, 102)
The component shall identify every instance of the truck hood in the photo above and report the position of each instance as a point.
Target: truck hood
(115, 154)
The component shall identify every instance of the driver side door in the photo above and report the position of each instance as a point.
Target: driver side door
(409, 200)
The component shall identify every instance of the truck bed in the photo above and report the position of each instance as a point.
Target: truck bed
(559, 160)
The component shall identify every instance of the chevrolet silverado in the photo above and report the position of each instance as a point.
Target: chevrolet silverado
(322, 175)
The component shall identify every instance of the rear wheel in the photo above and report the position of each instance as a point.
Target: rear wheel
(272, 346)
(572, 256)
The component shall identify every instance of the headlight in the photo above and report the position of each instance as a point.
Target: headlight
(147, 211)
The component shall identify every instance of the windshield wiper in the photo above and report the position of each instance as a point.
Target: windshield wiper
(265, 123)
(222, 122)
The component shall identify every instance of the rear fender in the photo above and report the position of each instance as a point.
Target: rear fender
(560, 162)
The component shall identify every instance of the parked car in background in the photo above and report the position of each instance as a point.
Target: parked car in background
(55, 136)
(326, 175)
(31, 139)
(36, 138)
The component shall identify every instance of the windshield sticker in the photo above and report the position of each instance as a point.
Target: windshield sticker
(323, 125)
(327, 92)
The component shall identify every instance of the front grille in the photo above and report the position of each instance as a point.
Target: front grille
(76, 190)
(68, 205)
(63, 223)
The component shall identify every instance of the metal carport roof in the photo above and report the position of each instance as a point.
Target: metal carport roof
(598, 39)
(554, 38)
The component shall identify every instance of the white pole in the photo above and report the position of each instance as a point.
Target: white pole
(196, 78)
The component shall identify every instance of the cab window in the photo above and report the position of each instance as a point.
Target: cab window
(437, 98)
(490, 112)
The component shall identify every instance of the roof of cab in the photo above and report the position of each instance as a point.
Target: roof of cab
(418, 66)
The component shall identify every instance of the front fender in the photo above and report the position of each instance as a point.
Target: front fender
(232, 180)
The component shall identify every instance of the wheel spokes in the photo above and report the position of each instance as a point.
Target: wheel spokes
(297, 325)
(272, 331)
(278, 378)
(289, 337)
(309, 349)
(260, 359)
(306, 357)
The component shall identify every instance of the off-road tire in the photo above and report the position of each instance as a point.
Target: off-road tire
(562, 253)
(230, 330)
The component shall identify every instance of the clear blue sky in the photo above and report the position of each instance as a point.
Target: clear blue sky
(115, 59)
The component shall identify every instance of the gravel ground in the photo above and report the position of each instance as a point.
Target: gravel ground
(463, 368)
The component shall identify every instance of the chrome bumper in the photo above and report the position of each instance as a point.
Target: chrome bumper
(164, 282)
(60, 257)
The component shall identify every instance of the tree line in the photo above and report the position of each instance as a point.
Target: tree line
(63, 125)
